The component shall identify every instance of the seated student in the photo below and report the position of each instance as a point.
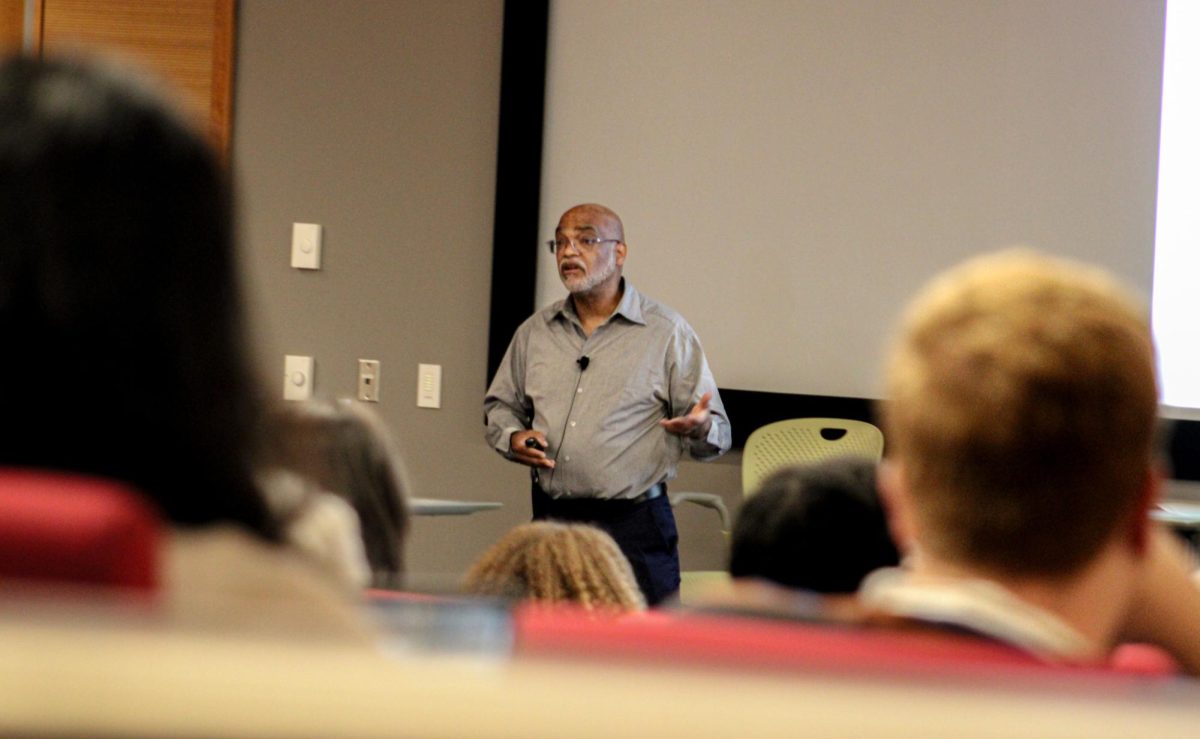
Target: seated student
(121, 322)
(345, 451)
(1020, 423)
(819, 528)
(554, 562)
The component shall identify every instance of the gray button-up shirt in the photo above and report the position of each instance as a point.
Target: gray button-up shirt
(644, 364)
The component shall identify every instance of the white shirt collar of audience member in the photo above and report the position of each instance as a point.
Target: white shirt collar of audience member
(978, 605)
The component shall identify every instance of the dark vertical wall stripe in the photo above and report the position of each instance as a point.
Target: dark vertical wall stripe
(518, 171)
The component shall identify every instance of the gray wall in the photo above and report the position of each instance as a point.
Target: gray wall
(379, 121)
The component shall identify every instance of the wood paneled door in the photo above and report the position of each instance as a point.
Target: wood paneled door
(188, 43)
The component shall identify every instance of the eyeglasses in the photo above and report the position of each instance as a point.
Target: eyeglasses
(581, 243)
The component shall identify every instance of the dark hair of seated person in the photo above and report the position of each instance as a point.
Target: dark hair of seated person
(818, 527)
(120, 309)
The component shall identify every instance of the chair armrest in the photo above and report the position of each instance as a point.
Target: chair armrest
(708, 500)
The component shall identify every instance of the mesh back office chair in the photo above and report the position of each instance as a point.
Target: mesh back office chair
(803, 441)
(777, 445)
(794, 441)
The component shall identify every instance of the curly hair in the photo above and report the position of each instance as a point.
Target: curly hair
(554, 562)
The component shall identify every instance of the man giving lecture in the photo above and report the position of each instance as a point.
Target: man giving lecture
(601, 393)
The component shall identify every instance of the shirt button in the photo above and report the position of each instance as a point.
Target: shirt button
(578, 391)
(566, 459)
(572, 424)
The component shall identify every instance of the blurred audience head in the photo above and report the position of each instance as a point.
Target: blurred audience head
(120, 307)
(1020, 416)
(553, 562)
(818, 527)
(345, 449)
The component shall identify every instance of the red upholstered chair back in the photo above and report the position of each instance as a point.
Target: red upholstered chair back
(739, 641)
(63, 528)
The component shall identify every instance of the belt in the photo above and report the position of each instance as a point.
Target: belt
(656, 491)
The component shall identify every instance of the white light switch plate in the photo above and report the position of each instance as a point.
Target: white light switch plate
(306, 245)
(368, 380)
(297, 377)
(429, 386)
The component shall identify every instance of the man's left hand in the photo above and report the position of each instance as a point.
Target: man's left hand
(695, 423)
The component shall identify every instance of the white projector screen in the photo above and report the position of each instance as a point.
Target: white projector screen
(790, 172)
(1177, 233)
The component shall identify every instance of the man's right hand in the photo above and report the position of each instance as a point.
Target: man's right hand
(529, 455)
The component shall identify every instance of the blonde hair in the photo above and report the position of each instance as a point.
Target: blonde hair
(1021, 404)
(557, 563)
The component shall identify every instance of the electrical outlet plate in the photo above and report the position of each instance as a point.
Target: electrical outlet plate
(297, 377)
(368, 380)
(306, 245)
(429, 386)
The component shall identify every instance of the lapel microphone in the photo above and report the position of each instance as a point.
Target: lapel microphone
(583, 362)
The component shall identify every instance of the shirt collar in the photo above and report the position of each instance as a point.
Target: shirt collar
(981, 606)
(631, 304)
(630, 307)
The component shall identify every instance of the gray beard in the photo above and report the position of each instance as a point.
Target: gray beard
(588, 282)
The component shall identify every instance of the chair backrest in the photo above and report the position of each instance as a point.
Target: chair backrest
(758, 643)
(805, 440)
(748, 642)
(63, 528)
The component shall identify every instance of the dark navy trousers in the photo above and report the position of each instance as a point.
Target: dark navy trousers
(644, 531)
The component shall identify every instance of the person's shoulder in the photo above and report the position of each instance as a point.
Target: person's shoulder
(664, 318)
(546, 314)
(540, 318)
(655, 312)
(224, 577)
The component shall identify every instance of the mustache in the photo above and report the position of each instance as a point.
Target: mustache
(571, 263)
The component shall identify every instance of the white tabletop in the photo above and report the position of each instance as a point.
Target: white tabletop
(436, 507)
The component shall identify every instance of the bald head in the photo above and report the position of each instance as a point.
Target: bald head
(602, 219)
(590, 261)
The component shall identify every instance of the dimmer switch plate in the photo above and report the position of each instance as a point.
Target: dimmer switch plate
(306, 245)
(297, 377)
(429, 386)
(368, 380)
